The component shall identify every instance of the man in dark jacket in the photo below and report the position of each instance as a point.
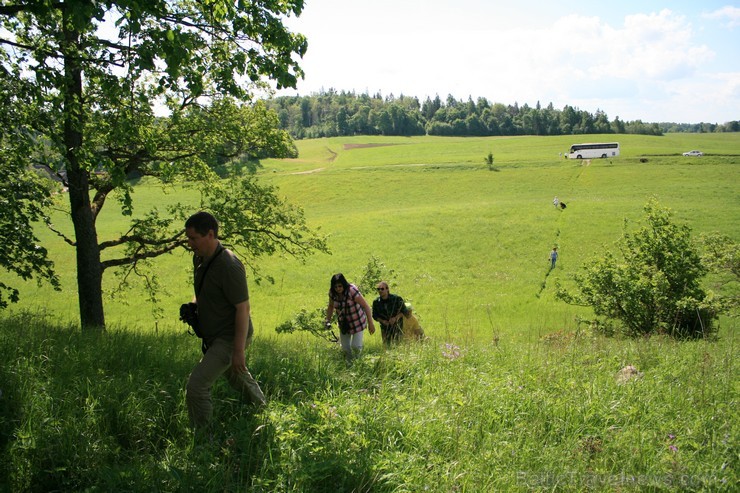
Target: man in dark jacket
(388, 310)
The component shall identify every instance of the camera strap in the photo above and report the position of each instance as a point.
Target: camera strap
(204, 344)
(205, 270)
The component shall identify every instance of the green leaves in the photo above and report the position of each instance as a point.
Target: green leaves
(256, 222)
(24, 194)
(96, 73)
(654, 285)
(309, 321)
(23, 197)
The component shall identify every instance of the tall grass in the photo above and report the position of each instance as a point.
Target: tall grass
(106, 413)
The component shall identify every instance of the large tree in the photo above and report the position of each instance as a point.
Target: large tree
(122, 88)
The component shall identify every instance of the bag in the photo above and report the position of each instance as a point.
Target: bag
(344, 326)
(189, 315)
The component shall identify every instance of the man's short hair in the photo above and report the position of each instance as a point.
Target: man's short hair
(202, 222)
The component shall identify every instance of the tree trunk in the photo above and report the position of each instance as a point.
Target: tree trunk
(89, 270)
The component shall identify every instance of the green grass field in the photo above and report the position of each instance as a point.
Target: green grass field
(468, 245)
(508, 395)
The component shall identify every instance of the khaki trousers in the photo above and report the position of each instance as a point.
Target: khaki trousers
(217, 362)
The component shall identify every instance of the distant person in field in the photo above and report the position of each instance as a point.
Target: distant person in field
(553, 257)
(388, 309)
(353, 315)
(555, 202)
(562, 205)
(223, 315)
(412, 331)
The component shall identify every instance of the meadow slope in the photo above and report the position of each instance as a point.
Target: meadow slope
(506, 395)
(467, 245)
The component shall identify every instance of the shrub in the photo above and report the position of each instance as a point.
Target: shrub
(652, 285)
(311, 321)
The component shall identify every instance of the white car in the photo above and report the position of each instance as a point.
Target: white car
(693, 153)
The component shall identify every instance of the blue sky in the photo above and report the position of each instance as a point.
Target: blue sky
(656, 61)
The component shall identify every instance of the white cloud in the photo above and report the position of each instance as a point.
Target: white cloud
(655, 46)
(580, 58)
(729, 14)
(640, 66)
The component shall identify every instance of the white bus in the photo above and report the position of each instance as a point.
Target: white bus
(598, 150)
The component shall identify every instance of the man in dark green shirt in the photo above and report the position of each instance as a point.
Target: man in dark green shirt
(388, 310)
(222, 298)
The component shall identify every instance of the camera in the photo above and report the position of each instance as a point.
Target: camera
(189, 315)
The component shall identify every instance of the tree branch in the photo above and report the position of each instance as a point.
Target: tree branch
(13, 10)
(101, 193)
(142, 241)
(133, 259)
(61, 235)
(41, 164)
(17, 45)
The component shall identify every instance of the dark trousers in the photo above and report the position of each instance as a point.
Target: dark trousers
(391, 333)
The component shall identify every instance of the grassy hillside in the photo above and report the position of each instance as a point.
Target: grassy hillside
(508, 151)
(468, 245)
(467, 242)
(507, 395)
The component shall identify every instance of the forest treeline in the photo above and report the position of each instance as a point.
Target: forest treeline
(332, 114)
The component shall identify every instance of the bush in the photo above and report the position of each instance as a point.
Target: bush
(653, 285)
(309, 321)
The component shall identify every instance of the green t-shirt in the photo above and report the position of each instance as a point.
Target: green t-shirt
(224, 287)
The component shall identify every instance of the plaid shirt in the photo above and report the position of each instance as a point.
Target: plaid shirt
(348, 309)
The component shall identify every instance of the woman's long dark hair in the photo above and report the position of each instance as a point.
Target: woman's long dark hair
(338, 279)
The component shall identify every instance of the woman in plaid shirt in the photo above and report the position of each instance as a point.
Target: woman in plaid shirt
(353, 315)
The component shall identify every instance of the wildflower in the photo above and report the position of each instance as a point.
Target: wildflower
(451, 351)
(673, 448)
(628, 373)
